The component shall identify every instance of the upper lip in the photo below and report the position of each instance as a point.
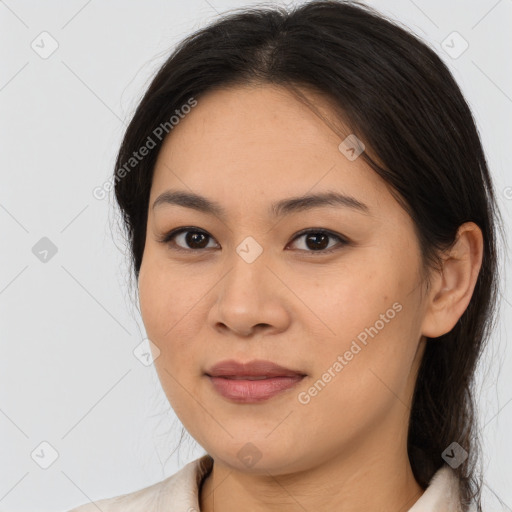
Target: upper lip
(255, 368)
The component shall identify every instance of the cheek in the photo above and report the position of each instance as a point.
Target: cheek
(357, 383)
(167, 308)
(163, 309)
(163, 299)
(346, 301)
(370, 318)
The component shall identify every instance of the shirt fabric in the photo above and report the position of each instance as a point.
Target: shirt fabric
(180, 493)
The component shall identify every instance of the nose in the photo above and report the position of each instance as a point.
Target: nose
(250, 300)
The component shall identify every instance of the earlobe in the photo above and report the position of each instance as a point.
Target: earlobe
(453, 287)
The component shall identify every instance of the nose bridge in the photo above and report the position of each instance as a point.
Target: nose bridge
(248, 274)
(247, 295)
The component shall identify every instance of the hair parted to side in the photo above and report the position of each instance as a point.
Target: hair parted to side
(397, 96)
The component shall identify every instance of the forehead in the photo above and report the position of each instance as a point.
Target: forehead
(264, 119)
(253, 141)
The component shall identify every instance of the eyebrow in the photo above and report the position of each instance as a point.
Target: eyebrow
(277, 209)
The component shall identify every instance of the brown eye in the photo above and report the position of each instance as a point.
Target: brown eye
(317, 240)
(194, 239)
(187, 239)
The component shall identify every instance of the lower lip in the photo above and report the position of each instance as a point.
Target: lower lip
(250, 391)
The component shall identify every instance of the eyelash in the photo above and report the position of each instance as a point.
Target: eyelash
(167, 239)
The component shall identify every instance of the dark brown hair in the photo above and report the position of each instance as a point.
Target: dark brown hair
(397, 96)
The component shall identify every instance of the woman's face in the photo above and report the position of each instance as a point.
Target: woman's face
(244, 285)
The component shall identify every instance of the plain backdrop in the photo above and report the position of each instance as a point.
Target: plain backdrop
(73, 394)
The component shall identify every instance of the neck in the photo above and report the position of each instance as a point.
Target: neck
(371, 479)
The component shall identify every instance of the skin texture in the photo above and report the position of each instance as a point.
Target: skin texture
(246, 147)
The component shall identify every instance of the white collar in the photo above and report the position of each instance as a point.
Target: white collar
(180, 492)
(442, 494)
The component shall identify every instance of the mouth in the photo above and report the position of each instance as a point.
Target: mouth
(253, 389)
(252, 382)
(246, 377)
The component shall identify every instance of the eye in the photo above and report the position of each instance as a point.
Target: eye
(194, 239)
(318, 240)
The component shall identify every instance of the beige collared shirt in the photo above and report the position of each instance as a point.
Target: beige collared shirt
(180, 493)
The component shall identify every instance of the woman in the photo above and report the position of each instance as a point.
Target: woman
(312, 228)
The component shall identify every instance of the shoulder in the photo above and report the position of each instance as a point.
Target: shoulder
(442, 493)
(145, 498)
(180, 491)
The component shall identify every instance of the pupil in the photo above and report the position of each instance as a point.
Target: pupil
(193, 238)
(315, 236)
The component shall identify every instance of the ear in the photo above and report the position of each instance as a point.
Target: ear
(453, 286)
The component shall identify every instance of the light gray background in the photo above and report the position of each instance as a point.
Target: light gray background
(68, 327)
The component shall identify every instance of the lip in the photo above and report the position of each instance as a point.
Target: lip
(231, 379)
(255, 368)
